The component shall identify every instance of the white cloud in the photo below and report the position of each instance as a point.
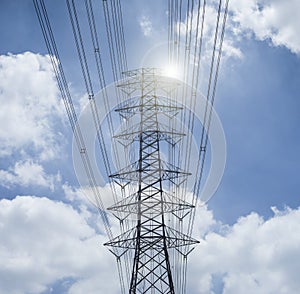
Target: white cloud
(87, 195)
(86, 200)
(73, 194)
(43, 241)
(30, 107)
(229, 48)
(277, 21)
(146, 25)
(28, 173)
(252, 256)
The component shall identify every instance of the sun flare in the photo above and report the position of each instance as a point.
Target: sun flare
(171, 71)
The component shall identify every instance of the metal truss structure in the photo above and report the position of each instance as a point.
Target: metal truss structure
(151, 120)
(153, 205)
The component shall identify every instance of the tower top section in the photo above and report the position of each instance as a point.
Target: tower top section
(148, 78)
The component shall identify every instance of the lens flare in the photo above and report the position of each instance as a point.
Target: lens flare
(171, 71)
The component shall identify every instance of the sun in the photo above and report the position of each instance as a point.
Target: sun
(171, 71)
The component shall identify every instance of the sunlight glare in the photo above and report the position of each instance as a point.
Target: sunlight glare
(171, 71)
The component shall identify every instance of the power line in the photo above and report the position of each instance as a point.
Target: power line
(190, 58)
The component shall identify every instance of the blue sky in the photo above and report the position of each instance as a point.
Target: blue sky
(249, 231)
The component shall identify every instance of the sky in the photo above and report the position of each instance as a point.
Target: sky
(249, 232)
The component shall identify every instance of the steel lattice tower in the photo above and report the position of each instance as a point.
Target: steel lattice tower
(151, 238)
(149, 190)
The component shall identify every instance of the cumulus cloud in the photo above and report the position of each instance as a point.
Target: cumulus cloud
(86, 199)
(190, 24)
(44, 242)
(28, 173)
(252, 256)
(30, 107)
(277, 21)
(87, 195)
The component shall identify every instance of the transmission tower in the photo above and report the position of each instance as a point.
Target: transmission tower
(151, 238)
(150, 183)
